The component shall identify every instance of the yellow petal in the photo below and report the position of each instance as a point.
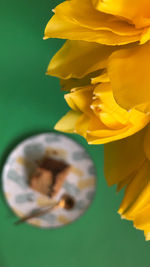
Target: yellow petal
(104, 134)
(82, 125)
(102, 78)
(67, 61)
(72, 83)
(135, 10)
(87, 16)
(145, 36)
(147, 143)
(113, 116)
(136, 193)
(61, 27)
(67, 123)
(80, 99)
(142, 219)
(130, 76)
(123, 157)
(145, 107)
(99, 133)
(122, 184)
(147, 234)
(109, 105)
(141, 201)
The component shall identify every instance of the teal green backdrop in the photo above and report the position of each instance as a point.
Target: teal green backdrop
(31, 102)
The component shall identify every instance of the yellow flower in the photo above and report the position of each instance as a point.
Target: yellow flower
(105, 66)
(127, 164)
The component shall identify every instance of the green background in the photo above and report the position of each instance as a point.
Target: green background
(31, 102)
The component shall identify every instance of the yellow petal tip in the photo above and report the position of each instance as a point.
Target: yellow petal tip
(119, 212)
(45, 37)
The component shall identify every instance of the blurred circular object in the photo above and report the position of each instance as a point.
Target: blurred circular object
(80, 182)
